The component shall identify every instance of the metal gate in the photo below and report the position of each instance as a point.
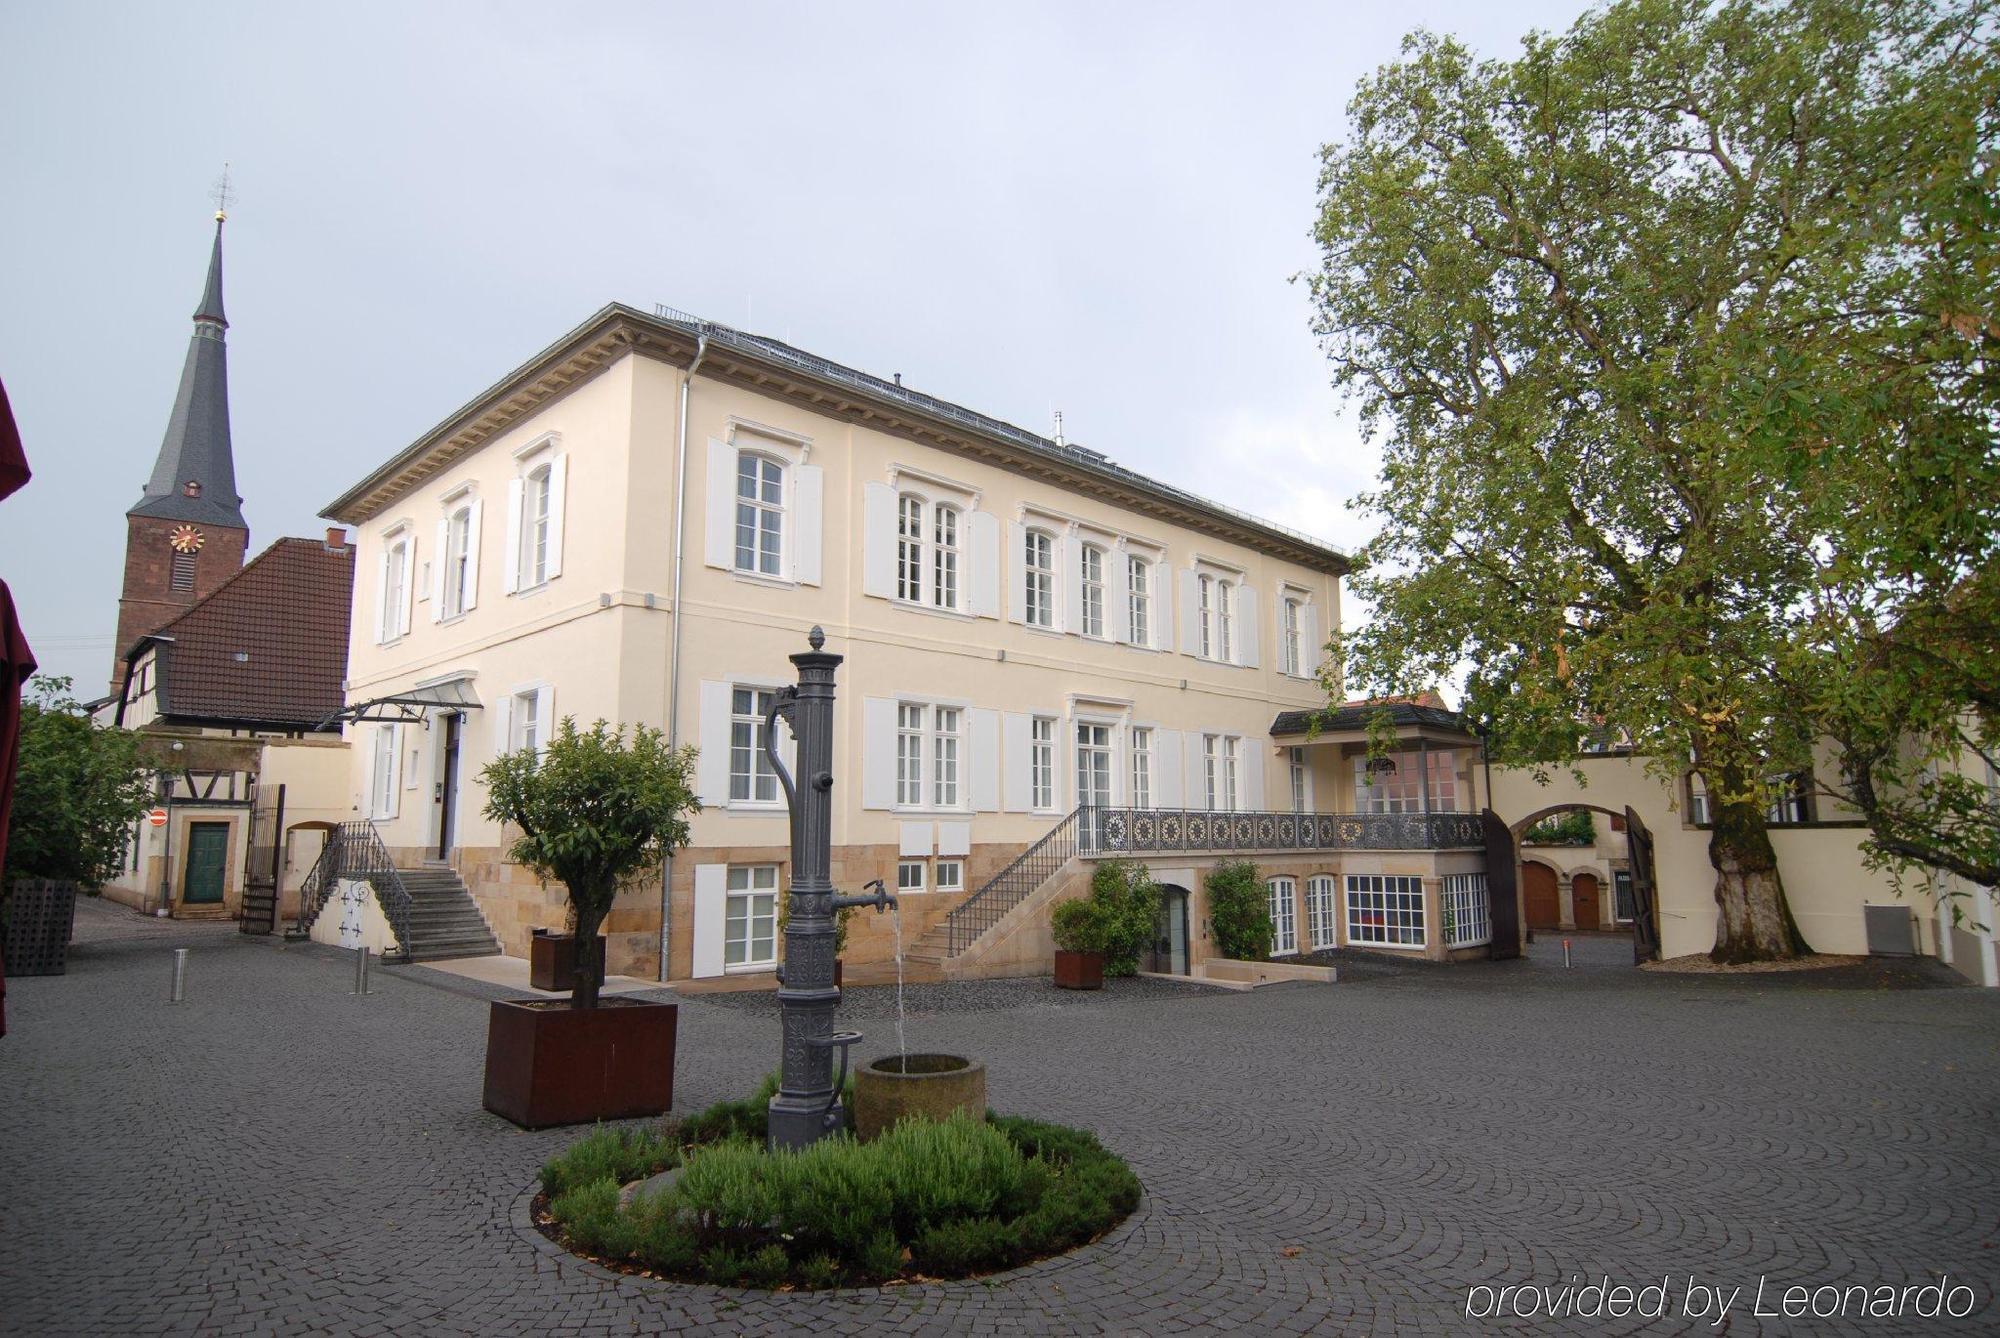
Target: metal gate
(1645, 904)
(1502, 893)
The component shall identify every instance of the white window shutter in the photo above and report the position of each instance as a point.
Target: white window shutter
(1117, 593)
(382, 596)
(712, 733)
(1019, 788)
(1196, 770)
(558, 491)
(390, 801)
(808, 504)
(1168, 773)
(719, 534)
(409, 586)
(878, 541)
(437, 571)
(711, 915)
(545, 717)
(1248, 652)
(1163, 606)
(878, 752)
(983, 532)
(1252, 756)
(510, 556)
(985, 743)
(1190, 613)
(1016, 568)
(1071, 580)
(503, 725)
(472, 532)
(1311, 653)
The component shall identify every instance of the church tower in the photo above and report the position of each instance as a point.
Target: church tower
(186, 534)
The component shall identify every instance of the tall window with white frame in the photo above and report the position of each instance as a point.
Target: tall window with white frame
(1142, 767)
(395, 589)
(1385, 911)
(535, 503)
(457, 557)
(760, 514)
(1206, 616)
(1322, 914)
(945, 723)
(1225, 626)
(944, 557)
(1218, 755)
(750, 933)
(1042, 762)
(1093, 777)
(751, 779)
(1467, 909)
(382, 783)
(910, 549)
(1093, 590)
(528, 726)
(909, 755)
(1038, 561)
(1301, 779)
(1292, 638)
(1139, 600)
(1284, 916)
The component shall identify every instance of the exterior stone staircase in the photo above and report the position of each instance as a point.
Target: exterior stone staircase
(444, 919)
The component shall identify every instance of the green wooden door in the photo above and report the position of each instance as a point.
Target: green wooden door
(207, 857)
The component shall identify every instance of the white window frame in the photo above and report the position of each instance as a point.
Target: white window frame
(752, 875)
(457, 559)
(1291, 635)
(398, 570)
(1090, 618)
(526, 728)
(912, 875)
(382, 768)
(1322, 911)
(1439, 774)
(947, 564)
(1039, 571)
(538, 481)
(956, 866)
(947, 738)
(909, 548)
(1140, 747)
(766, 516)
(1139, 599)
(1467, 908)
(760, 770)
(1283, 902)
(1205, 614)
(932, 749)
(1042, 764)
(1299, 773)
(1103, 743)
(910, 754)
(1225, 621)
(1389, 897)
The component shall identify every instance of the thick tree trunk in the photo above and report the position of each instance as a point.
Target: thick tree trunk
(589, 963)
(1753, 921)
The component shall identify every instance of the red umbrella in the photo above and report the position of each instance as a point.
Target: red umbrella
(17, 662)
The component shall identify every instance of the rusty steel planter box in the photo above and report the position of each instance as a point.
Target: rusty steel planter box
(1079, 970)
(552, 960)
(549, 1064)
(892, 1089)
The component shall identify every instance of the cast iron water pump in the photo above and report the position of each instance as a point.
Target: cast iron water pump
(807, 1106)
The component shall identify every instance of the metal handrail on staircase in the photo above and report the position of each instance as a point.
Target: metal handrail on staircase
(355, 850)
(1012, 885)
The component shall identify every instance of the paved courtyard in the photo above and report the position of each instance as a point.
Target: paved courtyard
(277, 1155)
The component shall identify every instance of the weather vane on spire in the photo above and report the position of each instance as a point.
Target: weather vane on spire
(223, 196)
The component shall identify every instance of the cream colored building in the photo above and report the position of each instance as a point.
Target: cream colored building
(1041, 646)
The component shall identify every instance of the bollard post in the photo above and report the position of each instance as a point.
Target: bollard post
(180, 976)
(1566, 962)
(361, 969)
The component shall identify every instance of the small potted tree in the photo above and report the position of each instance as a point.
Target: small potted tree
(1079, 927)
(596, 811)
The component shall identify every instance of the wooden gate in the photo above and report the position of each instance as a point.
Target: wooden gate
(1645, 902)
(1503, 896)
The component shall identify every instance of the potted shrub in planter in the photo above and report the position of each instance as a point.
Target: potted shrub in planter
(1078, 927)
(596, 810)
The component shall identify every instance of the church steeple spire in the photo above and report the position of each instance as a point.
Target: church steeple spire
(194, 478)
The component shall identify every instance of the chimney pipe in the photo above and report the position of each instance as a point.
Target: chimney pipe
(336, 538)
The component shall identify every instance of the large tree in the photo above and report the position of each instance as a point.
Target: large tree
(1648, 319)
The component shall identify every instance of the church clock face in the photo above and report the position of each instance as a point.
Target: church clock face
(186, 539)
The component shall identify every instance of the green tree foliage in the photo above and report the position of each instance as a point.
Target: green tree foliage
(79, 790)
(1668, 327)
(1239, 911)
(1130, 903)
(596, 811)
(1574, 828)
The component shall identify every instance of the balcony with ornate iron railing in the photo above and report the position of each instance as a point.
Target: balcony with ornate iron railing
(1148, 831)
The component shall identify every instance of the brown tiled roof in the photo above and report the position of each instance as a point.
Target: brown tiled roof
(1423, 709)
(268, 647)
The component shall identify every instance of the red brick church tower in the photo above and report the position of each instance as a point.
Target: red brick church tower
(186, 534)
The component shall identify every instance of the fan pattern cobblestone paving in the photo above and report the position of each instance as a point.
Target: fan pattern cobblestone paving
(276, 1155)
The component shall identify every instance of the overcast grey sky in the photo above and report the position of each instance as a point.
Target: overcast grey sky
(1022, 208)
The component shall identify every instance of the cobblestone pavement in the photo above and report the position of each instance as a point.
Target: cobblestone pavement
(278, 1155)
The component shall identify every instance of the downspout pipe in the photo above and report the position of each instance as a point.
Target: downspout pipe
(674, 642)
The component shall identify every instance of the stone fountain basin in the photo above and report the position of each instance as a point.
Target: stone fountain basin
(896, 1088)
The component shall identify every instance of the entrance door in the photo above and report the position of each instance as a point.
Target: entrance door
(1539, 892)
(1093, 778)
(1170, 938)
(448, 785)
(1583, 893)
(207, 859)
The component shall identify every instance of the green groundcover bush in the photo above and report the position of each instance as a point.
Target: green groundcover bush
(926, 1199)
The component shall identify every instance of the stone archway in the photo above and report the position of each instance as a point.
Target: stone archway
(1503, 851)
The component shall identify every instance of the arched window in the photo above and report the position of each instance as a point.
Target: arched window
(760, 514)
(1039, 574)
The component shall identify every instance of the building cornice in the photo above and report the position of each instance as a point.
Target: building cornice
(821, 388)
